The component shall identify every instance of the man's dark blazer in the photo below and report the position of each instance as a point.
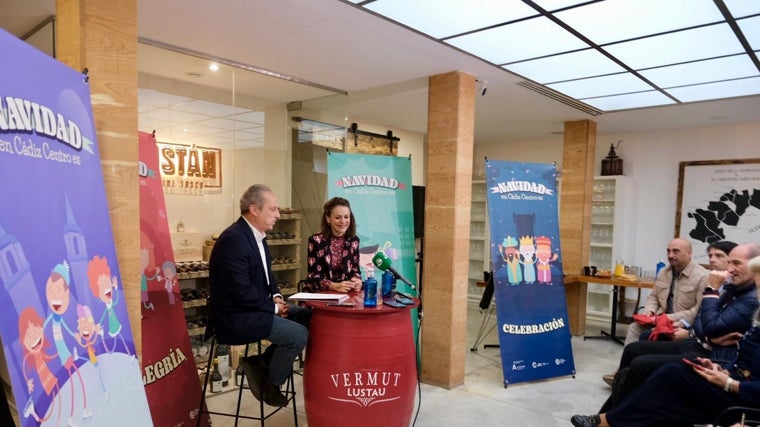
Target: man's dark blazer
(241, 309)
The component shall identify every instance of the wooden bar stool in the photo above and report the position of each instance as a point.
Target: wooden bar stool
(264, 413)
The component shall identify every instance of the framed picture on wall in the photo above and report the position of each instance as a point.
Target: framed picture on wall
(718, 200)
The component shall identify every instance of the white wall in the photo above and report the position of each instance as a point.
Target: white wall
(651, 159)
(270, 165)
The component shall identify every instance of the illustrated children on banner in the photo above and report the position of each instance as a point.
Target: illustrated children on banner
(59, 298)
(105, 287)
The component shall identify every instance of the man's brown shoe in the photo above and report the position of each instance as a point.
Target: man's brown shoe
(609, 378)
(255, 374)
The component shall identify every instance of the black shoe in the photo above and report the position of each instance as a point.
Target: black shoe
(255, 374)
(585, 420)
(274, 397)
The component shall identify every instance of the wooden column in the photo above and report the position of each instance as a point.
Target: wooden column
(101, 35)
(575, 213)
(451, 114)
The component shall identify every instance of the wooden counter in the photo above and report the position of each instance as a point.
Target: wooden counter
(616, 283)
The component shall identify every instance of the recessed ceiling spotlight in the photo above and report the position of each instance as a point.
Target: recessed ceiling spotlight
(193, 74)
(213, 67)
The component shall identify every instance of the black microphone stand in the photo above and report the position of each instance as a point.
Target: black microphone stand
(419, 281)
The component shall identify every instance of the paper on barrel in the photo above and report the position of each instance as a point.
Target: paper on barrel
(319, 296)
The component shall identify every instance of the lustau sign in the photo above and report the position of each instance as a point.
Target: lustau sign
(190, 169)
(366, 387)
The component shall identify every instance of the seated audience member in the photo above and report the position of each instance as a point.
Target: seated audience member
(678, 394)
(677, 292)
(677, 289)
(754, 267)
(333, 253)
(717, 254)
(720, 315)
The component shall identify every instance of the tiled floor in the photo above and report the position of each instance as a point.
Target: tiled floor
(482, 400)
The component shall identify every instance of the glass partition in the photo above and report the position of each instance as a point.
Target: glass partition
(222, 127)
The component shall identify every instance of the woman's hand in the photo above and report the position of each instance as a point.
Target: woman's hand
(712, 372)
(357, 283)
(342, 287)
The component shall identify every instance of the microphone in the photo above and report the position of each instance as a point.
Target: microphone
(382, 262)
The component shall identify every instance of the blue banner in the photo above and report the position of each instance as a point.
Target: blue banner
(534, 333)
(65, 331)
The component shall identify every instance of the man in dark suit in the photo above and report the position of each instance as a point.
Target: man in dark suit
(245, 302)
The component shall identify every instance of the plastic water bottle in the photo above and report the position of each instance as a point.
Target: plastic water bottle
(370, 289)
(387, 280)
(660, 266)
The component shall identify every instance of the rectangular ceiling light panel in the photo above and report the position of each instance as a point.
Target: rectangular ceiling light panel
(444, 18)
(522, 40)
(702, 71)
(629, 101)
(569, 66)
(690, 45)
(615, 20)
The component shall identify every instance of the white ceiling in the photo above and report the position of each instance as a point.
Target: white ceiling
(611, 54)
(383, 67)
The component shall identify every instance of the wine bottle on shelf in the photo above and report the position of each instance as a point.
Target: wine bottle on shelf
(223, 355)
(216, 378)
(240, 378)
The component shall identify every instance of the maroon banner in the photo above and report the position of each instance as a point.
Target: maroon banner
(168, 364)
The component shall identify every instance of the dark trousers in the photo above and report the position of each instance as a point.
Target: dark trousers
(642, 358)
(288, 337)
(673, 396)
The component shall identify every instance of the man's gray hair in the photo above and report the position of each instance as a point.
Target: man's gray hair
(254, 195)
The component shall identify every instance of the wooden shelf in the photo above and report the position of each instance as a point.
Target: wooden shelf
(192, 275)
(283, 267)
(480, 250)
(200, 302)
(196, 331)
(278, 242)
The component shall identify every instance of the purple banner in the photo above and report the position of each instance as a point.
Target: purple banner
(64, 326)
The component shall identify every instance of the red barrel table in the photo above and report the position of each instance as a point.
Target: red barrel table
(360, 366)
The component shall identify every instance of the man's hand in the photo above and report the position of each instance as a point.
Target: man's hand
(282, 308)
(680, 334)
(716, 279)
(731, 338)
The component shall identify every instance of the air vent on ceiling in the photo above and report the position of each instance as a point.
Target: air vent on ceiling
(553, 94)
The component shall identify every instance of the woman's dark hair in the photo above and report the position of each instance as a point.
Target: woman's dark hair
(328, 208)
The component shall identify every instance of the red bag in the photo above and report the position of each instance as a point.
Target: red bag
(663, 326)
(644, 319)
